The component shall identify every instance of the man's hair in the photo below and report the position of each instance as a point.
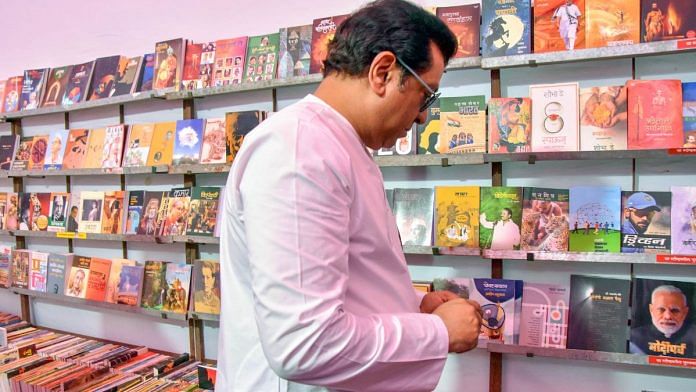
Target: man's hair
(387, 25)
(669, 289)
(509, 211)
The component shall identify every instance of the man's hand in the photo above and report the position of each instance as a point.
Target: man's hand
(462, 318)
(433, 299)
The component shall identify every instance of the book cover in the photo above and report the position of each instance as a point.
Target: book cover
(98, 277)
(501, 215)
(154, 285)
(207, 376)
(323, 31)
(129, 285)
(127, 77)
(95, 148)
(12, 212)
(295, 51)
(38, 210)
(8, 146)
(661, 323)
(214, 147)
(5, 265)
(135, 211)
(90, 211)
(188, 141)
(56, 85)
(612, 23)
(457, 216)
(555, 122)
(57, 266)
(654, 114)
(237, 126)
(192, 66)
(465, 22)
(138, 144)
(176, 210)
(498, 299)
(413, 210)
(112, 213)
(545, 220)
(506, 28)
(112, 150)
(667, 19)
(169, 64)
(544, 318)
(428, 132)
(206, 286)
(162, 146)
(403, 146)
(683, 220)
(598, 319)
(463, 125)
(689, 114)
(148, 219)
(76, 285)
(57, 141)
(221, 209)
(261, 57)
(58, 212)
(178, 280)
(205, 78)
(104, 77)
(32, 88)
(21, 259)
(147, 73)
(595, 217)
(509, 125)
(229, 61)
(203, 213)
(25, 210)
(646, 224)
(603, 118)
(78, 83)
(115, 278)
(3, 210)
(72, 224)
(39, 149)
(38, 271)
(558, 26)
(76, 149)
(13, 90)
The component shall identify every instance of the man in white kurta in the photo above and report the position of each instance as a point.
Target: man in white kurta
(568, 16)
(506, 233)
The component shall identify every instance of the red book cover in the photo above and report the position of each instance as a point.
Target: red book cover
(98, 276)
(192, 67)
(555, 23)
(169, 61)
(38, 152)
(229, 61)
(655, 114)
(13, 90)
(465, 23)
(323, 31)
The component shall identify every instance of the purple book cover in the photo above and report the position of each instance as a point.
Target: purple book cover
(544, 318)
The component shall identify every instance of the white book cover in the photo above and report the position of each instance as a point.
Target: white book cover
(555, 117)
(90, 212)
(544, 316)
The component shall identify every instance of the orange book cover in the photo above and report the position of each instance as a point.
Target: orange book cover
(95, 146)
(229, 61)
(76, 149)
(138, 144)
(465, 23)
(39, 147)
(555, 24)
(112, 213)
(98, 277)
(612, 23)
(323, 31)
(655, 119)
(162, 145)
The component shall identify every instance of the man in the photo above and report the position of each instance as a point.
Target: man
(654, 26)
(58, 213)
(72, 220)
(207, 300)
(638, 213)
(325, 298)
(506, 233)
(668, 311)
(567, 18)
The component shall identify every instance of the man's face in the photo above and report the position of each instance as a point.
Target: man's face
(177, 209)
(654, 6)
(58, 208)
(569, 2)
(641, 219)
(293, 40)
(691, 139)
(504, 215)
(668, 312)
(208, 279)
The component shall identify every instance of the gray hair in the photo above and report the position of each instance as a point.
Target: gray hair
(669, 289)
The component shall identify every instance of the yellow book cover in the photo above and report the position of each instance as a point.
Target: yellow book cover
(612, 23)
(463, 125)
(138, 144)
(457, 216)
(95, 146)
(162, 145)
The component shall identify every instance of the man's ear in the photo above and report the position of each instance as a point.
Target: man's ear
(382, 69)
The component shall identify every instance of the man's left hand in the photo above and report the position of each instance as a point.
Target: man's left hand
(434, 299)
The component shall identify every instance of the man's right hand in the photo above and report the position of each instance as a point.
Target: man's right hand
(463, 321)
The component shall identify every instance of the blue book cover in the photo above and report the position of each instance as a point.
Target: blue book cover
(689, 105)
(501, 301)
(506, 28)
(646, 224)
(188, 142)
(595, 219)
(147, 72)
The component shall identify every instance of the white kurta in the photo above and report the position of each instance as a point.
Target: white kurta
(315, 286)
(568, 15)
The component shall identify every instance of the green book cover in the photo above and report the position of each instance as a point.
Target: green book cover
(501, 214)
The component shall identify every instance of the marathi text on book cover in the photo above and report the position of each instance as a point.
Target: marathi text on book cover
(545, 220)
(595, 219)
(661, 322)
(598, 314)
(57, 266)
(603, 118)
(465, 22)
(689, 113)
(501, 303)
(506, 28)
(206, 286)
(323, 31)
(612, 23)
(500, 219)
(457, 215)
(229, 61)
(654, 114)
(667, 19)
(554, 117)
(558, 26)
(463, 125)
(429, 131)
(646, 224)
(413, 210)
(544, 318)
(295, 51)
(683, 220)
(32, 88)
(169, 64)
(55, 86)
(262, 57)
(509, 125)
(203, 211)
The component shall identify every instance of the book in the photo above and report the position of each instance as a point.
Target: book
(598, 319)
(595, 217)
(169, 64)
(413, 210)
(207, 376)
(237, 126)
(57, 266)
(129, 285)
(19, 271)
(12, 93)
(104, 77)
(148, 219)
(429, 131)
(501, 215)
(465, 22)
(221, 209)
(135, 202)
(457, 216)
(646, 224)
(261, 57)
(147, 73)
(509, 125)
(203, 213)
(78, 83)
(206, 286)
(76, 286)
(555, 25)
(555, 117)
(56, 85)
(39, 149)
(58, 212)
(98, 278)
(8, 146)
(112, 150)
(192, 67)
(544, 318)
(127, 77)
(76, 149)
(162, 145)
(73, 222)
(500, 300)
(90, 211)
(205, 79)
(612, 23)
(667, 20)
(3, 210)
(463, 125)
(188, 141)
(689, 113)
(95, 148)
(661, 323)
(506, 28)
(214, 147)
(38, 269)
(229, 61)
(545, 220)
(295, 51)
(323, 31)
(654, 114)
(12, 211)
(57, 141)
(32, 88)
(37, 209)
(112, 213)
(112, 286)
(603, 118)
(154, 285)
(683, 219)
(173, 213)
(138, 144)
(178, 280)
(5, 265)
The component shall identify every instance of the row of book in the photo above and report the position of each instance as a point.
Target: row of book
(156, 285)
(205, 141)
(582, 219)
(643, 114)
(38, 359)
(590, 314)
(181, 211)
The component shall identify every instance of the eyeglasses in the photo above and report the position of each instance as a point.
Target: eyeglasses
(429, 100)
